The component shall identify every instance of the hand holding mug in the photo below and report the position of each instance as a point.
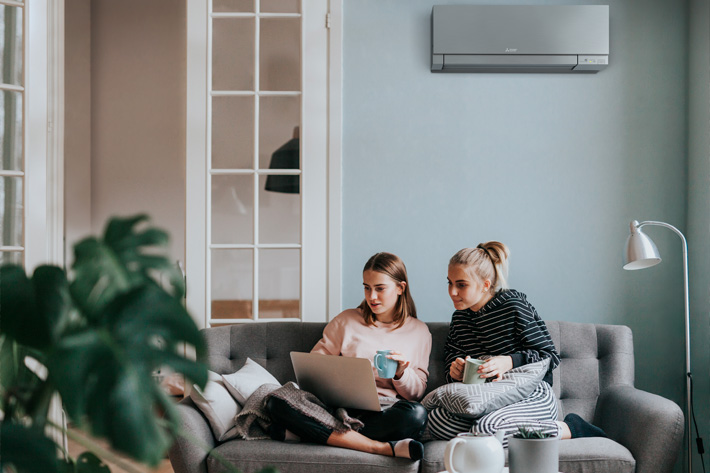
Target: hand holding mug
(456, 369)
(402, 362)
(496, 366)
(390, 364)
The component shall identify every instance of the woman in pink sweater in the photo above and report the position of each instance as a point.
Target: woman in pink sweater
(386, 319)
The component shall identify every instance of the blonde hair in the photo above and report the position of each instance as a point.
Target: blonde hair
(488, 260)
(392, 266)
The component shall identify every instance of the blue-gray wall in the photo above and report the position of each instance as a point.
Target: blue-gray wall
(554, 165)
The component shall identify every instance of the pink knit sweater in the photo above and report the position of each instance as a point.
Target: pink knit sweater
(347, 335)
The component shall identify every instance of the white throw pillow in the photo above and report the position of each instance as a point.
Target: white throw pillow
(248, 379)
(217, 405)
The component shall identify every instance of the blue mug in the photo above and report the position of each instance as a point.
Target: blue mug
(386, 367)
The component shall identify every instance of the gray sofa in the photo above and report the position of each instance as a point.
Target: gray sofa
(595, 380)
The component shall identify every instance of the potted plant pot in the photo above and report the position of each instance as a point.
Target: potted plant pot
(533, 454)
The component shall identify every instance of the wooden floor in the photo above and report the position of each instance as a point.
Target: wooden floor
(75, 449)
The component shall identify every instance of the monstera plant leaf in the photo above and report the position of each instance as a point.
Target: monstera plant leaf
(104, 374)
(35, 312)
(104, 268)
(20, 389)
(96, 338)
(27, 449)
(87, 462)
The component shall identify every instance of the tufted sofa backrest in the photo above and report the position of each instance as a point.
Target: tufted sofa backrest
(593, 357)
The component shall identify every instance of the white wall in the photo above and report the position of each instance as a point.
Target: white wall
(125, 115)
(77, 136)
(138, 73)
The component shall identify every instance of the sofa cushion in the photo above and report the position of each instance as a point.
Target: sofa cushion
(600, 455)
(597, 454)
(476, 400)
(218, 406)
(251, 456)
(248, 379)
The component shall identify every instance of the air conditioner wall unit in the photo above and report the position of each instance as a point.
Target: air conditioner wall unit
(519, 38)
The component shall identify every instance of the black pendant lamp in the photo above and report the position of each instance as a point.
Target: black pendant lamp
(286, 157)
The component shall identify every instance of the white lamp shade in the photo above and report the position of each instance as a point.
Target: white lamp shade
(641, 251)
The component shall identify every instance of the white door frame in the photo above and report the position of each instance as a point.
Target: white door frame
(44, 148)
(335, 150)
(44, 122)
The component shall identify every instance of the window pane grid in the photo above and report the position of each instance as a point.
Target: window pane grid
(255, 299)
(256, 171)
(12, 257)
(14, 88)
(222, 172)
(253, 15)
(12, 135)
(225, 322)
(285, 93)
(227, 246)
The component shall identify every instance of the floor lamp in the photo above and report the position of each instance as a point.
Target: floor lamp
(642, 253)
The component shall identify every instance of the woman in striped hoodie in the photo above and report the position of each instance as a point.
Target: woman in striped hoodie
(494, 322)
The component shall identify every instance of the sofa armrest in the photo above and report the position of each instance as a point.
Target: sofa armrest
(189, 452)
(650, 426)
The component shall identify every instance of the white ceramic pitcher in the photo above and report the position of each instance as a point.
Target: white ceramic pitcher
(471, 453)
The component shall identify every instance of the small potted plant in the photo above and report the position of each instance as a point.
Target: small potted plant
(533, 449)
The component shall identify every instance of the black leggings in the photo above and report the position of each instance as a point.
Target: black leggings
(405, 419)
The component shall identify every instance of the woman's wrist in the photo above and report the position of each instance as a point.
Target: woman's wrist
(399, 376)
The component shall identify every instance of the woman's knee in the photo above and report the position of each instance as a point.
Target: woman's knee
(411, 414)
(414, 412)
(405, 419)
(279, 410)
(419, 415)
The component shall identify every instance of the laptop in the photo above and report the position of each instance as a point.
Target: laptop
(338, 381)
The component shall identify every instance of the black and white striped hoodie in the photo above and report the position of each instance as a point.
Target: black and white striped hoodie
(507, 325)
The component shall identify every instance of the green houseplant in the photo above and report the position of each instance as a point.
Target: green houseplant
(95, 338)
(528, 432)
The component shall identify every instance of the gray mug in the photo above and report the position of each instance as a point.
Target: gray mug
(470, 371)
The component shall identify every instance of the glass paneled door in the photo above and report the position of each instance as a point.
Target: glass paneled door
(12, 172)
(256, 239)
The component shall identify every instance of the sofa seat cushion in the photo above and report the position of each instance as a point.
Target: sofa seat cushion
(598, 455)
(251, 456)
(433, 459)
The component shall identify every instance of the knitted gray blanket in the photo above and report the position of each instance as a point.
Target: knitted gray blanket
(253, 420)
